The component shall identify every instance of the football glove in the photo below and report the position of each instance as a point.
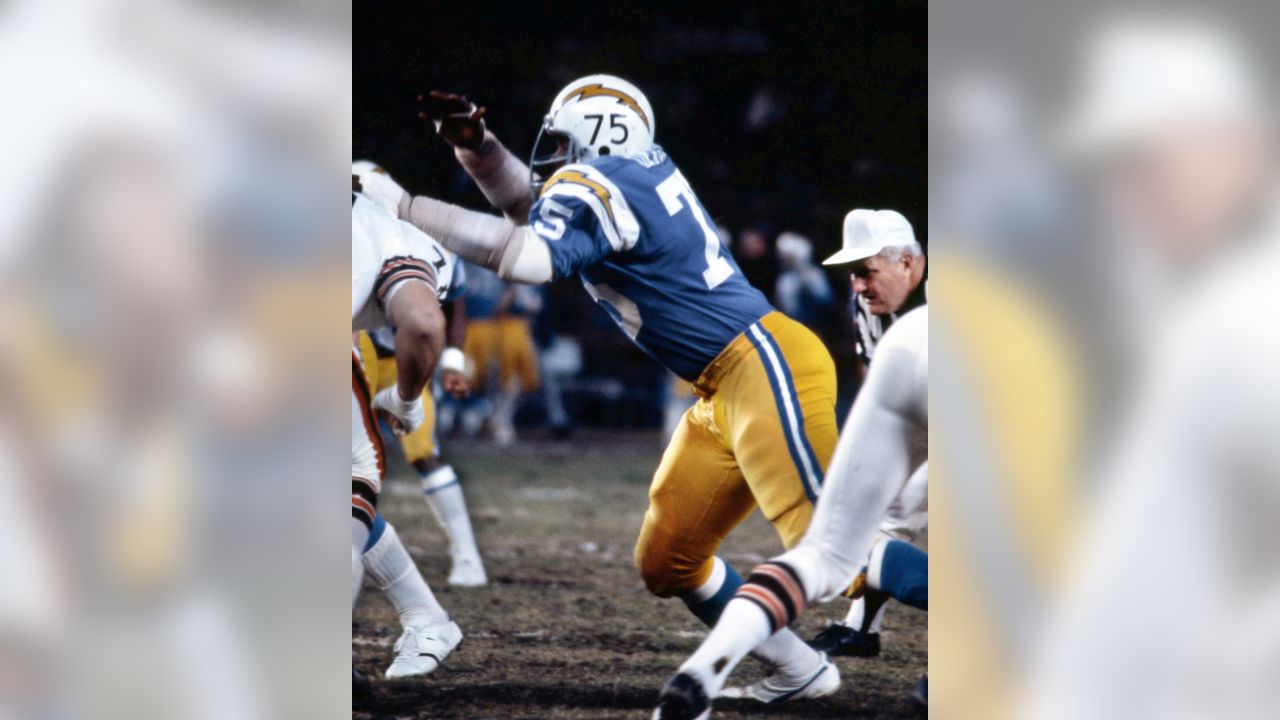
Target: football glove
(458, 120)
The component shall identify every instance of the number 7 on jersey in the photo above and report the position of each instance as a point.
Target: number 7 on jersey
(671, 190)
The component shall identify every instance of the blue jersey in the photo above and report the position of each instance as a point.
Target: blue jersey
(646, 250)
(458, 289)
(484, 292)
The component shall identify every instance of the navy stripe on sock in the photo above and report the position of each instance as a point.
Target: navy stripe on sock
(709, 610)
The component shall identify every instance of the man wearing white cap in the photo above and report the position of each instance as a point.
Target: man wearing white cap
(887, 270)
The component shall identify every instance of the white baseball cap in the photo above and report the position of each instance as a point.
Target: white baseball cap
(867, 232)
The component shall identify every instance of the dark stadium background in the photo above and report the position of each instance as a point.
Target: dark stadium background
(839, 91)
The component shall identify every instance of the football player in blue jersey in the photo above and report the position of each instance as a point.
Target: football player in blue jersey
(616, 211)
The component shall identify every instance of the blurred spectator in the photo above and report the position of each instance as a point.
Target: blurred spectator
(764, 109)
(753, 256)
(802, 290)
(500, 344)
(560, 357)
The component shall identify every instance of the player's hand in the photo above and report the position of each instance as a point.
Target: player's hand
(455, 383)
(458, 120)
(404, 415)
(453, 373)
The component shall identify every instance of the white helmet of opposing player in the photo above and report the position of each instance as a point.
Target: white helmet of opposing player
(593, 116)
(377, 184)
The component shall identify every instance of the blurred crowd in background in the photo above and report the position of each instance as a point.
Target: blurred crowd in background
(783, 119)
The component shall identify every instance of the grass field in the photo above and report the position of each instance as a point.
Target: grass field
(566, 629)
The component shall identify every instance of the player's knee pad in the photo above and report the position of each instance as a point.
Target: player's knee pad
(775, 587)
(665, 571)
(652, 569)
(364, 501)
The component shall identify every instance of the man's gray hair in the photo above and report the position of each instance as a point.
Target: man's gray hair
(895, 252)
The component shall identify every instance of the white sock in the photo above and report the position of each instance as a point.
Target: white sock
(444, 495)
(359, 535)
(504, 411)
(393, 570)
(742, 627)
(786, 653)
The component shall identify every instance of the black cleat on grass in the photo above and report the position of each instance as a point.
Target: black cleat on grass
(683, 698)
(845, 641)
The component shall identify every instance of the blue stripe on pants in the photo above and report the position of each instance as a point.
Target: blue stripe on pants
(790, 384)
(780, 381)
(709, 610)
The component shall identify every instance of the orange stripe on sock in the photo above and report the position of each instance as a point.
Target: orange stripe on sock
(772, 606)
(362, 504)
(788, 582)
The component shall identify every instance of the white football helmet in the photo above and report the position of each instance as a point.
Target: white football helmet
(377, 185)
(593, 116)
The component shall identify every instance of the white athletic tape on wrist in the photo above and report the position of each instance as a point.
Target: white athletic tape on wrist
(453, 359)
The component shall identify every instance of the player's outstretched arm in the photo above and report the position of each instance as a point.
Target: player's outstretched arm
(501, 176)
(420, 328)
(513, 251)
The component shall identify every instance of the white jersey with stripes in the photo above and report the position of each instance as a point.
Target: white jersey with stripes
(385, 252)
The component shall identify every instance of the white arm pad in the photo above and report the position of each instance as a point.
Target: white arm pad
(381, 189)
(516, 253)
(501, 176)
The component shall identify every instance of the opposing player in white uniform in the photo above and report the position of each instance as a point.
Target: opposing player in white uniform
(884, 441)
(398, 275)
(440, 484)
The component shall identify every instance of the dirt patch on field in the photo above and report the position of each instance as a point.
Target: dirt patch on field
(566, 629)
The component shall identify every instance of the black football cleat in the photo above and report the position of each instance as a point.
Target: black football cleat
(683, 698)
(844, 641)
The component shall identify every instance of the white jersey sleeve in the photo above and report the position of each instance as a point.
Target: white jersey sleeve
(386, 252)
